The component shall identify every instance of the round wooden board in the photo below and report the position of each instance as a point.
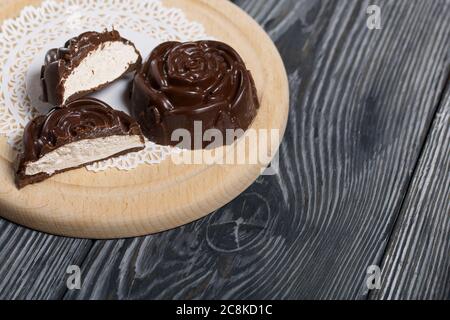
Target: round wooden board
(153, 198)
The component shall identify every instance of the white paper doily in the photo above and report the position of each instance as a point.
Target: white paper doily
(23, 39)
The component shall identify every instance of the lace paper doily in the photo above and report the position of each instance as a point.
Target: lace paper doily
(21, 39)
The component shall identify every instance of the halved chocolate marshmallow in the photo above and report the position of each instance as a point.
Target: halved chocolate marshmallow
(85, 131)
(85, 64)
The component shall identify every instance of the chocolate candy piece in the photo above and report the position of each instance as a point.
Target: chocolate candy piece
(85, 131)
(85, 64)
(181, 83)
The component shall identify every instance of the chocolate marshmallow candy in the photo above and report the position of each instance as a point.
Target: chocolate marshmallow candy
(184, 83)
(83, 132)
(85, 64)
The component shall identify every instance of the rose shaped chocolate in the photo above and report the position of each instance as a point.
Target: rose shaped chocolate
(184, 83)
(84, 131)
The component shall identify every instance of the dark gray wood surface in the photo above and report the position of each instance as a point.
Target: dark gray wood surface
(417, 262)
(363, 179)
(33, 265)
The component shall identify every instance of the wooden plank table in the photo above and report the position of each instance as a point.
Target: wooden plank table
(364, 179)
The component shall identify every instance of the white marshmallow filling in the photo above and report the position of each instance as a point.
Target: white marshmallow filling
(82, 152)
(103, 65)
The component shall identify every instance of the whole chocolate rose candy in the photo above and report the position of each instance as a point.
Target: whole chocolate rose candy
(203, 82)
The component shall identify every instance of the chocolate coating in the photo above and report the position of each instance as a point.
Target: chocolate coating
(81, 119)
(181, 83)
(60, 62)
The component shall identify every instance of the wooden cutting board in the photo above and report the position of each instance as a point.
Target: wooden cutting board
(153, 198)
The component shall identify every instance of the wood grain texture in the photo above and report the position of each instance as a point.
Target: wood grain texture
(154, 198)
(33, 264)
(11, 8)
(288, 235)
(361, 105)
(417, 263)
